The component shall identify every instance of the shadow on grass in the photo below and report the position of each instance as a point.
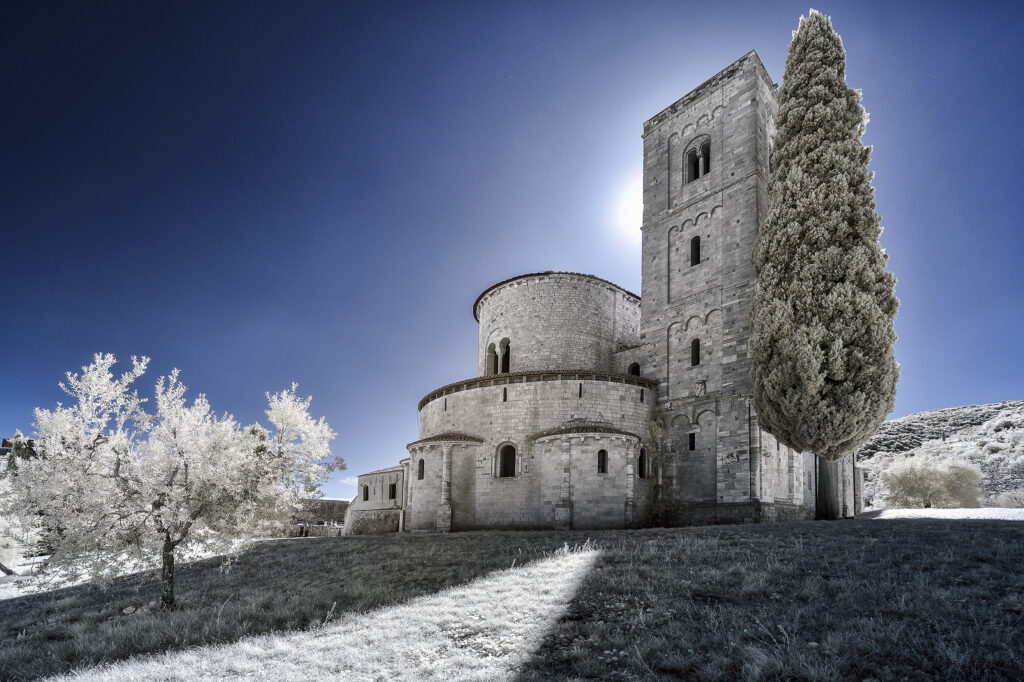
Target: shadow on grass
(281, 585)
(915, 599)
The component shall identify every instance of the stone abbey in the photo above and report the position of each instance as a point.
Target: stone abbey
(597, 408)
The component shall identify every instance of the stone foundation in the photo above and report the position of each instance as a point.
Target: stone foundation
(714, 513)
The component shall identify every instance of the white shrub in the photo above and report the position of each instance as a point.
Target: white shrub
(924, 481)
(1012, 498)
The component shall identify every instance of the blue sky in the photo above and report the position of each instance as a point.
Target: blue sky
(261, 193)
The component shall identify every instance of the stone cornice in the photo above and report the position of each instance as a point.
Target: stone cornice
(503, 282)
(707, 86)
(528, 377)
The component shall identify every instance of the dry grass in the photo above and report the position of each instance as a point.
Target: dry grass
(915, 599)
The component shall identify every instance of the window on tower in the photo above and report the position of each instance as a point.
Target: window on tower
(692, 165)
(694, 251)
(695, 352)
(705, 153)
(491, 364)
(602, 461)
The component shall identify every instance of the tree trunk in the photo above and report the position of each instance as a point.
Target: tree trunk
(827, 495)
(6, 570)
(167, 576)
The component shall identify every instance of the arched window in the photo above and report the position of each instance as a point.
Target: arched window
(641, 395)
(705, 153)
(581, 391)
(506, 355)
(507, 461)
(692, 165)
(491, 364)
(419, 470)
(634, 369)
(641, 464)
(504, 395)
(695, 352)
(602, 461)
(695, 251)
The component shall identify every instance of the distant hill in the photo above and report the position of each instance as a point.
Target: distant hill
(991, 436)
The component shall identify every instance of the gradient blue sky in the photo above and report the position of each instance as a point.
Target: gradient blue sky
(261, 193)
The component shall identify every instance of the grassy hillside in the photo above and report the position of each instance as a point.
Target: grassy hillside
(909, 432)
(990, 436)
(842, 600)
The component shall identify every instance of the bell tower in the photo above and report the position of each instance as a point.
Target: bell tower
(705, 194)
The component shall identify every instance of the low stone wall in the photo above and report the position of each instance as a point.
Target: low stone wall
(372, 522)
(303, 531)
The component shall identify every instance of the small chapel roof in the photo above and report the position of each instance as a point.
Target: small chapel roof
(450, 437)
(383, 471)
(581, 427)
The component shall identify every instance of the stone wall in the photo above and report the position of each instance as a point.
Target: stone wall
(556, 320)
(372, 522)
(554, 423)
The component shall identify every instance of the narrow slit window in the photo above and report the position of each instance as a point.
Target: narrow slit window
(366, 493)
(641, 395)
(419, 471)
(602, 461)
(695, 352)
(392, 491)
(693, 442)
(695, 251)
(641, 464)
(504, 395)
(581, 391)
(446, 404)
(705, 153)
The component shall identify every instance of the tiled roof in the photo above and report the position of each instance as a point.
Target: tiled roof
(507, 378)
(449, 436)
(383, 471)
(541, 274)
(582, 427)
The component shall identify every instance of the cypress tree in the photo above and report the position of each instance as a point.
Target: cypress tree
(824, 371)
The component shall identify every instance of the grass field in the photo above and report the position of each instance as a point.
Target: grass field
(865, 599)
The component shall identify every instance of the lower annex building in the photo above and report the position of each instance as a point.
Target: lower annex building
(597, 408)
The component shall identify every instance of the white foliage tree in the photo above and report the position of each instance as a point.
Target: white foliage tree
(115, 486)
(932, 481)
(14, 534)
